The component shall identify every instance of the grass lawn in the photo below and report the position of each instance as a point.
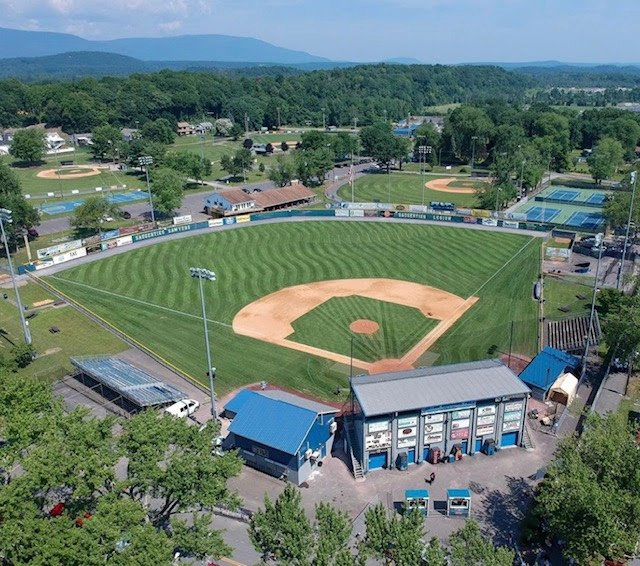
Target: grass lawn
(560, 292)
(78, 335)
(405, 189)
(148, 293)
(400, 328)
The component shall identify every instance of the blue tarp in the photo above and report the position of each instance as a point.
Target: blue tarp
(547, 366)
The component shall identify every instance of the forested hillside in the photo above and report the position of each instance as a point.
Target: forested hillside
(366, 92)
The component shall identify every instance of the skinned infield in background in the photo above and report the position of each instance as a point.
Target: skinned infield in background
(272, 318)
(148, 293)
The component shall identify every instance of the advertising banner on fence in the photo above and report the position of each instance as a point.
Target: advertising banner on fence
(418, 208)
(109, 234)
(412, 215)
(59, 249)
(481, 213)
(125, 241)
(489, 222)
(470, 219)
(68, 256)
(214, 222)
(182, 219)
(356, 213)
(243, 218)
(229, 220)
(344, 212)
(510, 224)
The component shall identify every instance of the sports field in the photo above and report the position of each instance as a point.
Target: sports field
(404, 189)
(149, 294)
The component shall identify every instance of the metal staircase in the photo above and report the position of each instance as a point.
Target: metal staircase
(356, 466)
(527, 441)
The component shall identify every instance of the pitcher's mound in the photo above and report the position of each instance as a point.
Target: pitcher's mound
(364, 326)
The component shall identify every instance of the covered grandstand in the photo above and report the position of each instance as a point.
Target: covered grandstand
(124, 384)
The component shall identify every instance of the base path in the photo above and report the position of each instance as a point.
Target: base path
(87, 171)
(442, 185)
(271, 317)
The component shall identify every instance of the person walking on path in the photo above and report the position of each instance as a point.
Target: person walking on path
(432, 477)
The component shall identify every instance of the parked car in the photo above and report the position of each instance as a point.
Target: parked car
(183, 408)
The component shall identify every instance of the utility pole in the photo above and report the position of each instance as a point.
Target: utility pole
(422, 153)
(473, 151)
(278, 110)
(355, 123)
(246, 124)
(324, 127)
(634, 181)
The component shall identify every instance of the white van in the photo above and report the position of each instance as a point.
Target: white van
(183, 408)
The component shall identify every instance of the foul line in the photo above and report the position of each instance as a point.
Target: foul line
(501, 268)
(145, 303)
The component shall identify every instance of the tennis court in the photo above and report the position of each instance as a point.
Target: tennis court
(542, 214)
(563, 194)
(588, 220)
(597, 198)
(66, 207)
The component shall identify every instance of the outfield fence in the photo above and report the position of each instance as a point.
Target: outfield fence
(134, 234)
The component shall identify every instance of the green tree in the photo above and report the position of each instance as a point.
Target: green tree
(197, 540)
(281, 532)
(23, 215)
(284, 146)
(188, 163)
(605, 159)
(379, 142)
(434, 554)
(312, 165)
(91, 213)
(160, 131)
(621, 324)
(461, 127)
(236, 131)
(332, 530)
(494, 197)
(107, 140)
(589, 498)
(470, 548)
(427, 135)
(283, 171)
(28, 145)
(167, 190)
(396, 541)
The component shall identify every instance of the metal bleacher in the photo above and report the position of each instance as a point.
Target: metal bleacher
(127, 381)
(569, 334)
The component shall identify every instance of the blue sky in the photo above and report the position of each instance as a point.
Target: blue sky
(432, 31)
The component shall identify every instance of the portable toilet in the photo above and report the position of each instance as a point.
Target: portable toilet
(458, 502)
(417, 499)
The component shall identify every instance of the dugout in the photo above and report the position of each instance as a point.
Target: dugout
(281, 434)
(436, 411)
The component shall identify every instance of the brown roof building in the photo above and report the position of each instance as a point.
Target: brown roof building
(237, 201)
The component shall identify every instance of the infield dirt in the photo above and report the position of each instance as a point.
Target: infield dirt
(270, 318)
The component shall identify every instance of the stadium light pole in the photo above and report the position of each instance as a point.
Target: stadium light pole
(201, 275)
(634, 181)
(587, 341)
(422, 153)
(147, 160)
(473, 151)
(5, 216)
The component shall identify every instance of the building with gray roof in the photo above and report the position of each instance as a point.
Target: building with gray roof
(427, 414)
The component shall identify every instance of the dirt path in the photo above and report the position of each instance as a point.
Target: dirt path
(442, 185)
(270, 318)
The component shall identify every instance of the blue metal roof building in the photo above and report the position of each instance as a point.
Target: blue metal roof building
(545, 368)
(287, 436)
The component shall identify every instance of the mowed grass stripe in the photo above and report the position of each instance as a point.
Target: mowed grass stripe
(255, 261)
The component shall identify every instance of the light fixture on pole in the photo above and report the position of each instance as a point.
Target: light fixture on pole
(5, 216)
(634, 182)
(146, 160)
(422, 156)
(498, 191)
(201, 275)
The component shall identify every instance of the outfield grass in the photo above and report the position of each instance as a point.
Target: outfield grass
(78, 335)
(148, 293)
(405, 189)
(400, 328)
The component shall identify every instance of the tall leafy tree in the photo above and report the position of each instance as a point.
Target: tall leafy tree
(590, 497)
(189, 163)
(470, 548)
(23, 215)
(605, 159)
(160, 131)
(91, 213)
(107, 140)
(312, 165)
(332, 529)
(396, 541)
(28, 145)
(281, 532)
(167, 190)
(283, 171)
(379, 142)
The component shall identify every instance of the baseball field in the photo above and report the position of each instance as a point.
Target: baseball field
(295, 302)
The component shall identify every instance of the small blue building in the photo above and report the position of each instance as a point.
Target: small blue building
(545, 368)
(279, 433)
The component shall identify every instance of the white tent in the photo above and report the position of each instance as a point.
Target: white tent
(564, 389)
